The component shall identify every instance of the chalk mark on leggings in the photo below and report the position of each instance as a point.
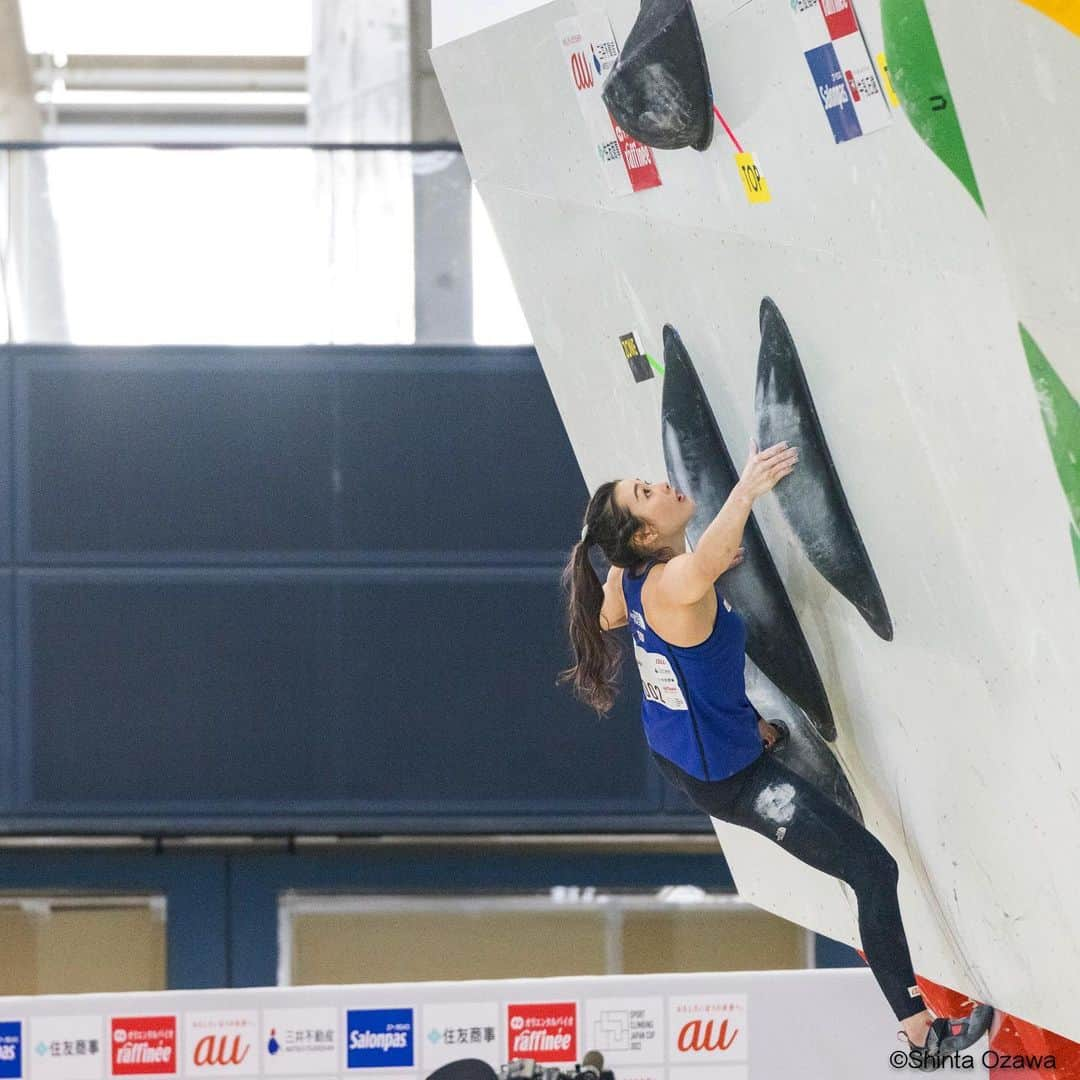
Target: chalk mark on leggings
(776, 803)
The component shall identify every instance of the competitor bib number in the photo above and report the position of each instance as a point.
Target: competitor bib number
(658, 680)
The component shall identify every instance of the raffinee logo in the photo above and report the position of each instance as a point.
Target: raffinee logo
(380, 1038)
(545, 1032)
(144, 1045)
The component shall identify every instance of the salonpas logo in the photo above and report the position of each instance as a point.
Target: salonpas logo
(380, 1038)
(10, 1048)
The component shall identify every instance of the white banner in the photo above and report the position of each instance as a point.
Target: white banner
(828, 1024)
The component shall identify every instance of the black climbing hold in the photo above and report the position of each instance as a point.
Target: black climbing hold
(659, 90)
(698, 463)
(811, 498)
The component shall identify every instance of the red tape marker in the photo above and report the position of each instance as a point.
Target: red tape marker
(727, 129)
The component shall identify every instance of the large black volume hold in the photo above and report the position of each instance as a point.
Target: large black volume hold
(812, 499)
(698, 463)
(659, 89)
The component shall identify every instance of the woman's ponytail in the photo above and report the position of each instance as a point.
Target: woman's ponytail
(594, 675)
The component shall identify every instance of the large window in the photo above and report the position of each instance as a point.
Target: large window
(246, 246)
(326, 939)
(169, 27)
(81, 944)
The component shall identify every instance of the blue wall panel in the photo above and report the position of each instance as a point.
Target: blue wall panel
(316, 590)
(7, 654)
(360, 691)
(373, 455)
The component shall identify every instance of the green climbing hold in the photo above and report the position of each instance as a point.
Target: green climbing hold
(918, 78)
(1061, 418)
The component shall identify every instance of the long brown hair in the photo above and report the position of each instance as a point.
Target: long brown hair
(597, 655)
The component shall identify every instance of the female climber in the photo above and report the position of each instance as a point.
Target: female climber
(701, 729)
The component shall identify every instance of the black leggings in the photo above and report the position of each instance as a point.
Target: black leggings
(772, 800)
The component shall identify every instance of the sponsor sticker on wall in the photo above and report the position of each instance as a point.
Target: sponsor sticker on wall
(546, 1032)
(845, 79)
(379, 1038)
(457, 1030)
(221, 1044)
(627, 1031)
(712, 1029)
(590, 51)
(300, 1042)
(143, 1045)
(65, 1048)
(10, 1049)
(641, 364)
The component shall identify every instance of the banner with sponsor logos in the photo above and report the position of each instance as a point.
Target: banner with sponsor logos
(726, 1026)
(840, 64)
(590, 50)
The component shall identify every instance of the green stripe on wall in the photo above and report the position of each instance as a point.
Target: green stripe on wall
(1061, 418)
(918, 78)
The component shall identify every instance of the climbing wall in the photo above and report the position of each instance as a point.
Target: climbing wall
(874, 255)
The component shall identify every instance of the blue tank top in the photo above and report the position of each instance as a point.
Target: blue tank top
(694, 705)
